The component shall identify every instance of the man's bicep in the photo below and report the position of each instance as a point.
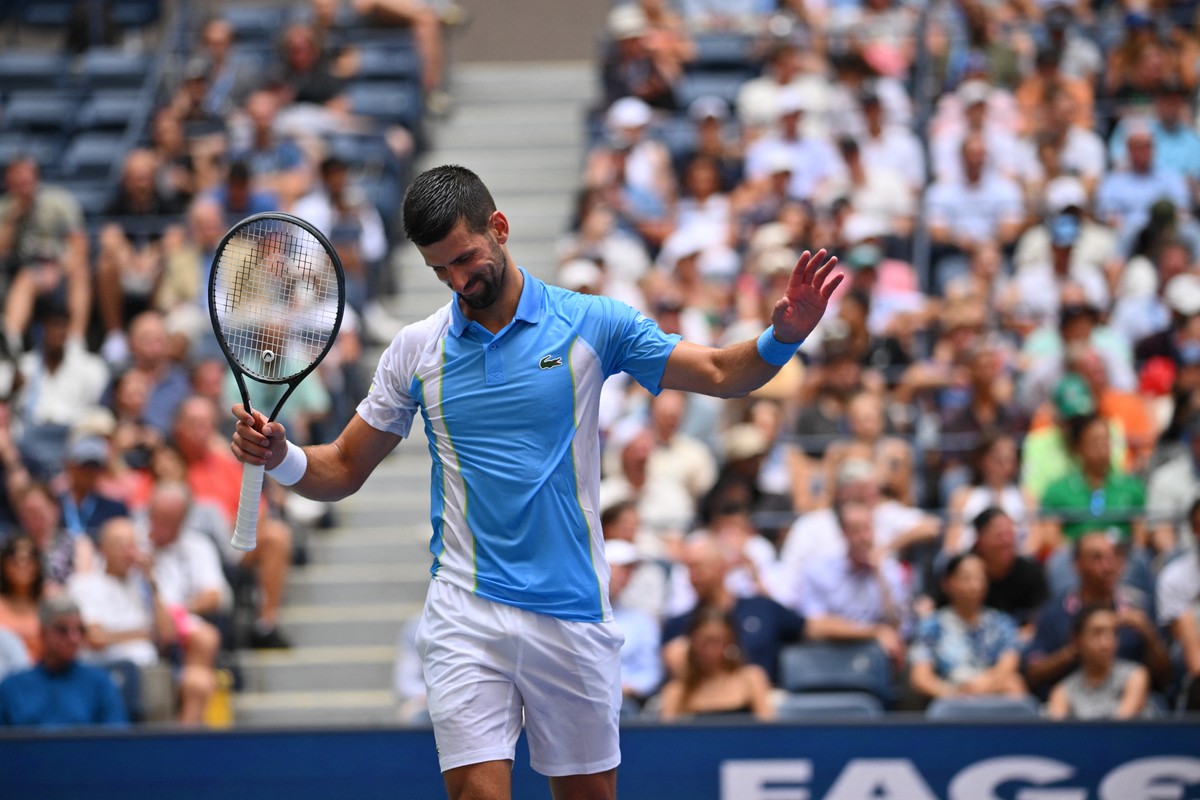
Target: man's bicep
(690, 368)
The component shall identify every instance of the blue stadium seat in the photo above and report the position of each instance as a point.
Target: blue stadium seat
(42, 111)
(128, 678)
(829, 705)
(31, 69)
(837, 667)
(92, 195)
(44, 149)
(109, 110)
(724, 85)
(105, 68)
(255, 23)
(977, 708)
(136, 13)
(47, 13)
(723, 52)
(393, 102)
(93, 154)
(387, 63)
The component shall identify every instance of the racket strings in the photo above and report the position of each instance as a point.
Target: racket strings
(276, 298)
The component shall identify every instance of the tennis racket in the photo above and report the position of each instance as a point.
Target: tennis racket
(276, 295)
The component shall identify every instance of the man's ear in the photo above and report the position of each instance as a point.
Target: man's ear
(499, 225)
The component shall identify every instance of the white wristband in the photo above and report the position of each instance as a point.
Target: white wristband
(293, 466)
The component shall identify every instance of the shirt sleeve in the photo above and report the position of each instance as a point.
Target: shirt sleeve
(390, 404)
(634, 344)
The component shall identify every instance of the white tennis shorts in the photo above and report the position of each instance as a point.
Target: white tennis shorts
(485, 663)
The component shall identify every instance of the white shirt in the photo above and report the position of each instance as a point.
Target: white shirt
(119, 606)
(974, 210)
(187, 567)
(898, 149)
(1178, 590)
(62, 397)
(818, 535)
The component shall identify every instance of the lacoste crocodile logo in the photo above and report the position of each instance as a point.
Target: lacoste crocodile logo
(550, 362)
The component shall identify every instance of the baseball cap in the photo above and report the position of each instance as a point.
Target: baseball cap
(620, 553)
(745, 441)
(628, 112)
(790, 101)
(1065, 192)
(1182, 294)
(708, 106)
(972, 92)
(1072, 397)
(627, 21)
(863, 256)
(88, 450)
(776, 261)
(580, 273)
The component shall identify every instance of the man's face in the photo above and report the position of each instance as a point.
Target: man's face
(62, 639)
(472, 265)
(1099, 563)
(1141, 151)
(997, 542)
(859, 530)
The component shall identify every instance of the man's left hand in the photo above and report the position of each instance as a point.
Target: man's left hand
(797, 313)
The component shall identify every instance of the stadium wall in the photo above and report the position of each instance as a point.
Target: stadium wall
(900, 760)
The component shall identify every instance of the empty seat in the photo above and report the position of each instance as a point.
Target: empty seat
(92, 196)
(103, 68)
(723, 51)
(128, 679)
(829, 706)
(837, 667)
(724, 85)
(387, 63)
(388, 102)
(110, 110)
(254, 23)
(39, 111)
(47, 13)
(983, 707)
(93, 154)
(43, 149)
(136, 13)
(31, 69)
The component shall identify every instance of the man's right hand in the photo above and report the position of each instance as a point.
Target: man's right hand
(256, 441)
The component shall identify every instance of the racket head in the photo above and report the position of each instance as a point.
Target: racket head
(276, 298)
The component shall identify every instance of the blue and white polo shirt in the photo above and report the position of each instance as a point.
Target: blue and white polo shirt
(512, 425)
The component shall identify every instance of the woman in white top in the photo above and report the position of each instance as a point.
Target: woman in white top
(994, 484)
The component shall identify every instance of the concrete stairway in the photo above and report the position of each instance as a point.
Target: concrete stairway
(521, 128)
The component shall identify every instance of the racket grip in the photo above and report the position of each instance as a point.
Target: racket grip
(245, 531)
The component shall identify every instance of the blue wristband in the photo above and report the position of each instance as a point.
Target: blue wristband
(775, 352)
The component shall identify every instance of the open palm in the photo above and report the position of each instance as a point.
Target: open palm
(807, 296)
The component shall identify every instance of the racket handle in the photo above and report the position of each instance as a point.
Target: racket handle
(245, 531)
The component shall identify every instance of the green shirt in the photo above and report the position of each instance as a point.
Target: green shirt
(1084, 509)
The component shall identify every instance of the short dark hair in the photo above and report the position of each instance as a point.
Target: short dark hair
(1084, 614)
(439, 198)
(985, 517)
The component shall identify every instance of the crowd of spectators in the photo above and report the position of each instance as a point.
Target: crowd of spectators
(984, 461)
(117, 486)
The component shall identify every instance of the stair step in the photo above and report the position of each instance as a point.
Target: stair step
(294, 709)
(346, 625)
(318, 669)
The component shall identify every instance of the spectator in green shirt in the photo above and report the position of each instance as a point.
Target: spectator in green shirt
(1095, 494)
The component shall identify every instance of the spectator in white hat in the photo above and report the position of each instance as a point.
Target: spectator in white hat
(631, 67)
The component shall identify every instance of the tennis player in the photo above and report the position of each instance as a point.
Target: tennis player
(506, 377)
